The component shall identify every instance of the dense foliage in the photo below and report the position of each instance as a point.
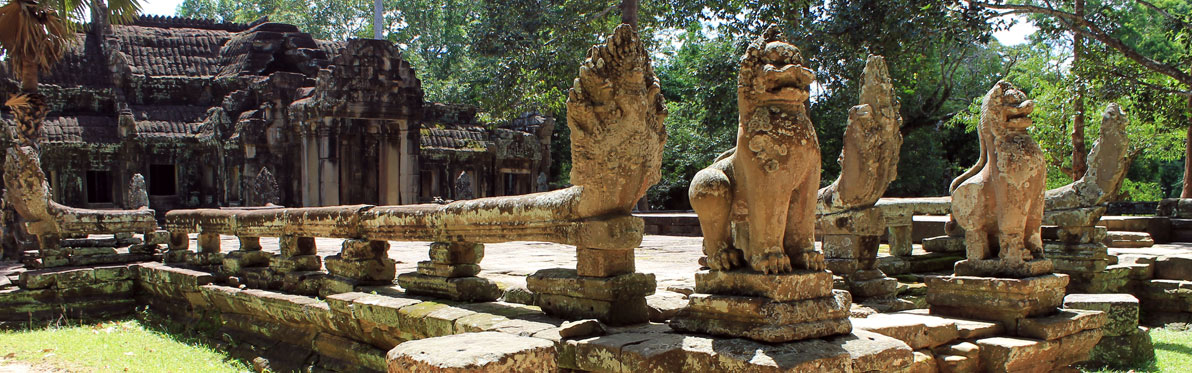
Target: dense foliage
(511, 56)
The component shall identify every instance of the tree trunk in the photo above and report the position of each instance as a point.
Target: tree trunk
(1187, 192)
(629, 12)
(1079, 150)
(29, 72)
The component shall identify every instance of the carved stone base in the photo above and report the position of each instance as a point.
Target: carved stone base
(1005, 300)
(363, 271)
(763, 319)
(470, 289)
(616, 300)
(770, 308)
(1002, 268)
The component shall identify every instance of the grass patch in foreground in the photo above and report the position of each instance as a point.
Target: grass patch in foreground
(113, 346)
(1173, 351)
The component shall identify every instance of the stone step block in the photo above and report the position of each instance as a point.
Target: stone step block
(430, 268)
(1006, 354)
(1174, 267)
(474, 352)
(917, 331)
(1065, 323)
(1130, 239)
(924, 363)
(768, 311)
(472, 289)
(1003, 300)
(784, 287)
(564, 281)
(1121, 310)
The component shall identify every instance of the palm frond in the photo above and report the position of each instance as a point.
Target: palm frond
(17, 101)
(29, 30)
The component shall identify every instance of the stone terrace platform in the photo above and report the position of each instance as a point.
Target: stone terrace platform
(354, 331)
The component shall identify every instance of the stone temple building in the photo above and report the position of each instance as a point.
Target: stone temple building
(201, 108)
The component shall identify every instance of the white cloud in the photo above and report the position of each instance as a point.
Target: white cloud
(1017, 33)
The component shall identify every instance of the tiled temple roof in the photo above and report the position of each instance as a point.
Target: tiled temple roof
(74, 129)
(454, 138)
(171, 51)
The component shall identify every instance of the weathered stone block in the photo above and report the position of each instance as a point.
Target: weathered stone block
(474, 352)
(917, 331)
(1127, 350)
(944, 244)
(563, 281)
(768, 311)
(873, 352)
(924, 362)
(1121, 310)
(773, 333)
(1174, 268)
(1062, 324)
(625, 311)
(997, 299)
(431, 268)
(472, 289)
(365, 271)
(1003, 354)
(1001, 268)
(456, 252)
(784, 287)
(603, 263)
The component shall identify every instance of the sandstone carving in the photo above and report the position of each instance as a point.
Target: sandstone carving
(1108, 163)
(265, 190)
(756, 203)
(138, 196)
(999, 201)
(872, 141)
(463, 186)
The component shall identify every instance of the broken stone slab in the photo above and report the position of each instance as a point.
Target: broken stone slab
(474, 352)
(924, 362)
(873, 352)
(867, 284)
(471, 289)
(665, 304)
(1003, 300)
(773, 333)
(944, 244)
(1003, 268)
(1121, 310)
(1065, 323)
(917, 331)
(783, 287)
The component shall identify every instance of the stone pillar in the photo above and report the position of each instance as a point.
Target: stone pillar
(328, 170)
(389, 179)
(360, 263)
(208, 257)
(297, 268)
(177, 248)
(900, 237)
(310, 171)
(248, 262)
(851, 240)
(408, 178)
(451, 273)
(603, 286)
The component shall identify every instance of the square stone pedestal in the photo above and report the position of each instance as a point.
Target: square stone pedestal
(615, 300)
(770, 308)
(850, 243)
(451, 274)
(1005, 300)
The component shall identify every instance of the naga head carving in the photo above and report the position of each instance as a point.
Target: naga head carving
(772, 73)
(615, 111)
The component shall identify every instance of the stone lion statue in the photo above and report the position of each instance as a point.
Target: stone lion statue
(756, 202)
(999, 201)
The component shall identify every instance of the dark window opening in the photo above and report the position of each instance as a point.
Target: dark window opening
(162, 180)
(99, 187)
(425, 184)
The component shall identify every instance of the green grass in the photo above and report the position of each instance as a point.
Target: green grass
(113, 346)
(1173, 352)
